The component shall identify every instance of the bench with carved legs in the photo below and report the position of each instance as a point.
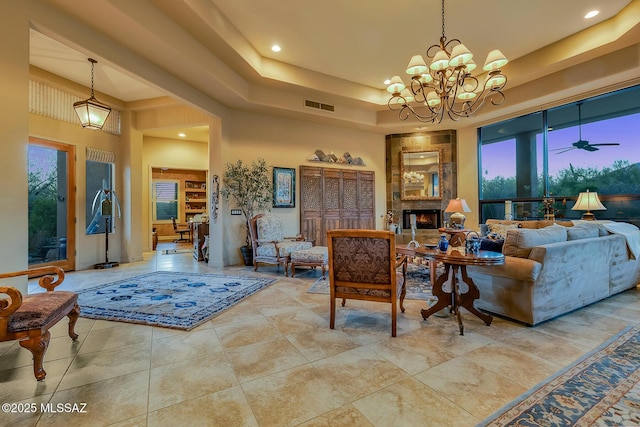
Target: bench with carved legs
(28, 318)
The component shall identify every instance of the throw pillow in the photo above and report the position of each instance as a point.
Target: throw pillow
(494, 245)
(501, 229)
(582, 232)
(519, 243)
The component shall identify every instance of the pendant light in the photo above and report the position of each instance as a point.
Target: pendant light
(91, 112)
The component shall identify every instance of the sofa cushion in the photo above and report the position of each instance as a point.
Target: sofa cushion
(500, 230)
(520, 269)
(582, 232)
(519, 242)
(285, 248)
(543, 223)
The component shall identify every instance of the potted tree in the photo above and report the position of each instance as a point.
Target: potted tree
(250, 189)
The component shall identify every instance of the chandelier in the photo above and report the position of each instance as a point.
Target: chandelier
(446, 85)
(91, 112)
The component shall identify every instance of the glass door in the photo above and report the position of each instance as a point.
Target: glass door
(51, 204)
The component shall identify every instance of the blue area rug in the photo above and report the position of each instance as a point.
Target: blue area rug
(599, 390)
(168, 299)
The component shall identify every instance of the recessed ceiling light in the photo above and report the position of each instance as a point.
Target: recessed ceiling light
(182, 135)
(387, 82)
(276, 48)
(591, 14)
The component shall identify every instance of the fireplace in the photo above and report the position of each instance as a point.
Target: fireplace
(425, 218)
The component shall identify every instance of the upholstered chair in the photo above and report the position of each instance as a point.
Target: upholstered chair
(268, 243)
(363, 265)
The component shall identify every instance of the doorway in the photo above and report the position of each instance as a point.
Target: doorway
(51, 187)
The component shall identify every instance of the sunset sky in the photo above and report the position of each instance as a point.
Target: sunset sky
(497, 158)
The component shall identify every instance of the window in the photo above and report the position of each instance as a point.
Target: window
(99, 177)
(165, 199)
(560, 152)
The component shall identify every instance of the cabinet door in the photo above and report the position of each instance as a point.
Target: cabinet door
(366, 200)
(349, 212)
(335, 198)
(332, 201)
(311, 204)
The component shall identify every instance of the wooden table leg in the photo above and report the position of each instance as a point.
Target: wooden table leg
(444, 298)
(467, 299)
(455, 290)
(432, 269)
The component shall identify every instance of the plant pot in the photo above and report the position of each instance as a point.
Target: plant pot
(247, 254)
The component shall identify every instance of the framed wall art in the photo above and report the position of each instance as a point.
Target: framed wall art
(284, 187)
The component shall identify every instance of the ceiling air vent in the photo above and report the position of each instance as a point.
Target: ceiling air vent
(319, 105)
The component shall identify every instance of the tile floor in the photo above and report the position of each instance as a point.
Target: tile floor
(273, 361)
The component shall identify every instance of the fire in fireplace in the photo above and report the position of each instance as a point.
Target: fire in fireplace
(425, 218)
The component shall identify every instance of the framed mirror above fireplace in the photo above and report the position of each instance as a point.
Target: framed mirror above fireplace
(421, 175)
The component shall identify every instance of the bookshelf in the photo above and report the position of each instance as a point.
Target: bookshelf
(195, 198)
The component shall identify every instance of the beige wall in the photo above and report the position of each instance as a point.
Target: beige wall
(14, 122)
(288, 143)
(468, 173)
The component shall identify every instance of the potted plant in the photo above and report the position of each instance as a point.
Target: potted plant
(250, 189)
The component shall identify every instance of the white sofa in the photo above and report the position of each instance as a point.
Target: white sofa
(554, 270)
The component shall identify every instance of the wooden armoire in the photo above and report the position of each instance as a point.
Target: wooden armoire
(335, 198)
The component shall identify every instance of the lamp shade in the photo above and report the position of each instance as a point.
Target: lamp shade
(495, 60)
(457, 206)
(396, 85)
(440, 61)
(433, 99)
(460, 55)
(588, 201)
(416, 65)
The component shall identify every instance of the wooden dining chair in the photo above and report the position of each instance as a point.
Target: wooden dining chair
(363, 266)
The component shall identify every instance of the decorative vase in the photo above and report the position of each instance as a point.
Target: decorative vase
(247, 255)
(443, 244)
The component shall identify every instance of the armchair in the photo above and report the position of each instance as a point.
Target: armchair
(28, 318)
(180, 231)
(269, 245)
(363, 266)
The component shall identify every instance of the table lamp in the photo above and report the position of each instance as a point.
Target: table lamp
(588, 201)
(456, 220)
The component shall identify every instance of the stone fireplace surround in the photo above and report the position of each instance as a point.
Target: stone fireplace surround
(395, 143)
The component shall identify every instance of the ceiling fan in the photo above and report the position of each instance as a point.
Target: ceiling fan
(581, 144)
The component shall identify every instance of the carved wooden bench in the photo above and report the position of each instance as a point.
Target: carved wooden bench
(29, 318)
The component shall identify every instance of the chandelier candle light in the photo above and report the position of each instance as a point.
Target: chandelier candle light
(447, 85)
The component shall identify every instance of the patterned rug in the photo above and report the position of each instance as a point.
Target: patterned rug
(599, 390)
(168, 299)
(418, 283)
